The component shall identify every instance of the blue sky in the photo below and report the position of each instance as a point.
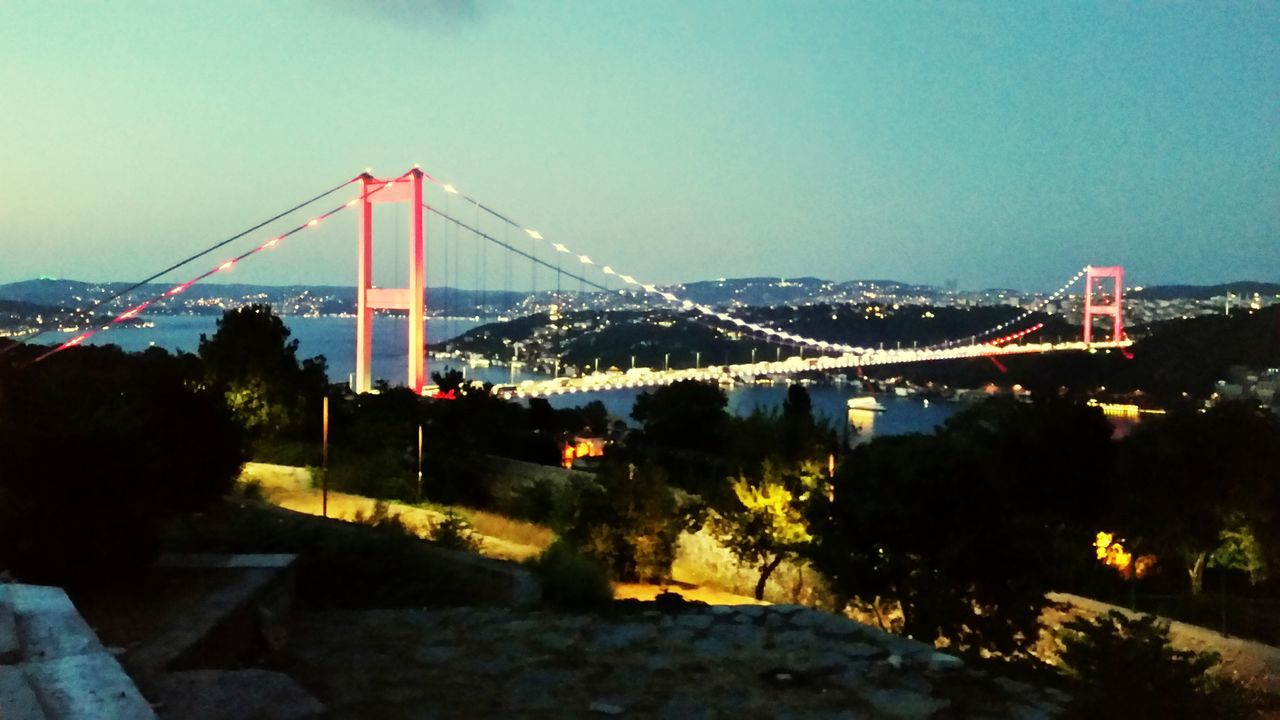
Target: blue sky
(994, 143)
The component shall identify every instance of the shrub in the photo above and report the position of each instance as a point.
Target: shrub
(1128, 670)
(455, 533)
(382, 519)
(377, 475)
(251, 490)
(631, 524)
(570, 580)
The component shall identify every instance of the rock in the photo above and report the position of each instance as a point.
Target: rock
(808, 619)
(711, 648)
(838, 626)
(685, 709)
(1012, 686)
(905, 704)
(794, 638)
(434, 654)
(616, 637)
(942, 662)
(605, 708)
(894, 661)
(863, 651)
(695, 621)
(750, 611)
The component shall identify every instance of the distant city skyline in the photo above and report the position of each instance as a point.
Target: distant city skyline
(999, 145)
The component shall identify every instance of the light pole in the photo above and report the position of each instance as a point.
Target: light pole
(324, 459)
(597, 366)
(753, 356)
(697, 360)
(666, 362)
(633, 362)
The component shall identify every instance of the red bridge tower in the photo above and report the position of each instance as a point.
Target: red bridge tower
(1094, 280)
(369, 298)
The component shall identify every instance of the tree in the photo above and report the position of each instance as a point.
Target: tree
(767, 525)
(631, 524)
(963, 527)
(1189, 476)
(100, 449)
(252, 362)
(1128, 669)
(687, 415)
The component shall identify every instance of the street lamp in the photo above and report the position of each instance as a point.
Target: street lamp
(697, 360)
(753, 356)
(666, 362)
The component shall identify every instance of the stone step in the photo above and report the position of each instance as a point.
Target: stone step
(48, 624)
(10, 647)
(87, 687)
(18, 699)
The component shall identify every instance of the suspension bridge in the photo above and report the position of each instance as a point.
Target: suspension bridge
(1102, 295)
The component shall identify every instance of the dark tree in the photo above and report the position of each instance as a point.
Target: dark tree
(98, 451)
(252, 362)
(963, 527)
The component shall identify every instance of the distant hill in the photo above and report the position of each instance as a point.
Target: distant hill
(1204, 292)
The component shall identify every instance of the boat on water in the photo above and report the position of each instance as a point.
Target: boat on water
(866, 403)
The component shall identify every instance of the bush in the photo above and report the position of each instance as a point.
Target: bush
(631, 524)
(455, 533)
(377, 475)
(570, 580)
(1129, 670)
(382, 519)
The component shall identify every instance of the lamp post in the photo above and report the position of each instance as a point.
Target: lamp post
(666, 362)
(697, 360)
(324, 459)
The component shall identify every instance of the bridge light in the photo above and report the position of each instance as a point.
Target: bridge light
(313, 222)
(608, 270)
(534, 234)
(559, 247)
(225, 266)
(585, 260)
(450, 189)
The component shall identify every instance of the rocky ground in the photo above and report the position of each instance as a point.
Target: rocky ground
(688, 661)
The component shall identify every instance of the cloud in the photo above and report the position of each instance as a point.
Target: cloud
(447, 15)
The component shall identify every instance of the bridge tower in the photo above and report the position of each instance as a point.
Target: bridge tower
(1094, 281)
(406, 189)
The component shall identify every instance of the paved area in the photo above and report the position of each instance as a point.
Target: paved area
(746, 661)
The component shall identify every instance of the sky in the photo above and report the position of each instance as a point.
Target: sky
(994, 144)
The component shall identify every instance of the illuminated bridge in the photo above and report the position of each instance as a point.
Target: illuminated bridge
(486, 227)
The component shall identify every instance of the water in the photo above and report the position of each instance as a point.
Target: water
(334, 337)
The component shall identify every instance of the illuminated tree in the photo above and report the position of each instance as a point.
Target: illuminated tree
(767, 524)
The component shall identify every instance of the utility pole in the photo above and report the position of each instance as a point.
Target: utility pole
(324, 459)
